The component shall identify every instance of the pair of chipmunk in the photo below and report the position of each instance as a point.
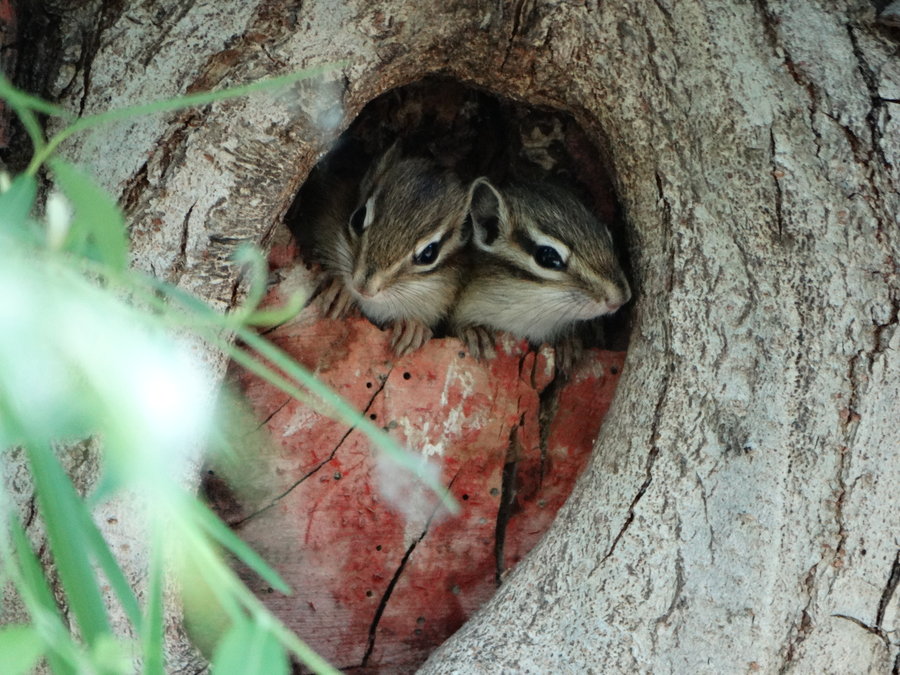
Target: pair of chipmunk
(414, 248)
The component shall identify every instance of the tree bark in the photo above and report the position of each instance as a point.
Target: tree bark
(739, 513)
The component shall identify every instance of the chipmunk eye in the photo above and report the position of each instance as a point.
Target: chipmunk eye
(547, 256)
(358, 219)
(428, 254)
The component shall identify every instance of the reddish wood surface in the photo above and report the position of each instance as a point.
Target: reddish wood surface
(380, 575)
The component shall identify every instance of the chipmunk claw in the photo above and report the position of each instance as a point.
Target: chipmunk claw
(479, 342)
(568, 353)
(335, 300)
(408, 336)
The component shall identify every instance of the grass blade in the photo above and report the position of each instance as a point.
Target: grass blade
(38, 599)
(25, 105)
(277, 315)
(44, 152)
(16, 202)
(81, 525)
(98, 546)
(21, 647)
(228, 539)
(256, 268)
(152, 645)
(20, 99)
(59, 505)
(303, 652)
(200, 98)
(342, 410)
(249, 647)
(15, 207)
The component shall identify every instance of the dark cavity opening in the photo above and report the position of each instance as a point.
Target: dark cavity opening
(343, 539)
(475, 133)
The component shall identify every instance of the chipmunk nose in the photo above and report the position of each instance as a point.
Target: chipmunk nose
(367, 283)
(618, 296)
(621, 295)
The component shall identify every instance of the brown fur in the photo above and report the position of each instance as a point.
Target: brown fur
(407, 203)
(507, 290)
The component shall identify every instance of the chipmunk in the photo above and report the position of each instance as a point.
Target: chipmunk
(393, 247)
(541, 264)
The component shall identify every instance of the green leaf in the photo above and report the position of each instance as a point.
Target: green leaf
(25, 106)
(197, 311)
(21, 647)
(302, 651)
(20, 99)
(249, 647)
(91, 541)
(98, 227)
(107, 486)
(98, 546)
(110, 655)
(224, 536)
(38, 599)
(277, 315)
(153, 621)
(16, 203)
(59, 504)
(254, 264)
(15, 207)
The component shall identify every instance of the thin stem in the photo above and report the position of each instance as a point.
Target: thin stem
(168, 105)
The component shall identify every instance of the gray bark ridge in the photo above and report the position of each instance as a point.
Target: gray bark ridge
(739, 514)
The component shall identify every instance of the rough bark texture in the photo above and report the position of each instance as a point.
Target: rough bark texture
(740, 510)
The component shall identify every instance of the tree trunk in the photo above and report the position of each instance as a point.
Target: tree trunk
(739, 513)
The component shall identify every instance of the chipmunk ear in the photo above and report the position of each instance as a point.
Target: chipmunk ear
(381, 166)
(490, 216)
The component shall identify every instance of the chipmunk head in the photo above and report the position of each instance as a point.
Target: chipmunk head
(544, 235)
(408, 226)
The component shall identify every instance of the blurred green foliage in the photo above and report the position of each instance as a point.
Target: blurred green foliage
(87, 350)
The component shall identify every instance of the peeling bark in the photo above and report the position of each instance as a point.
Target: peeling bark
(739, 511)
